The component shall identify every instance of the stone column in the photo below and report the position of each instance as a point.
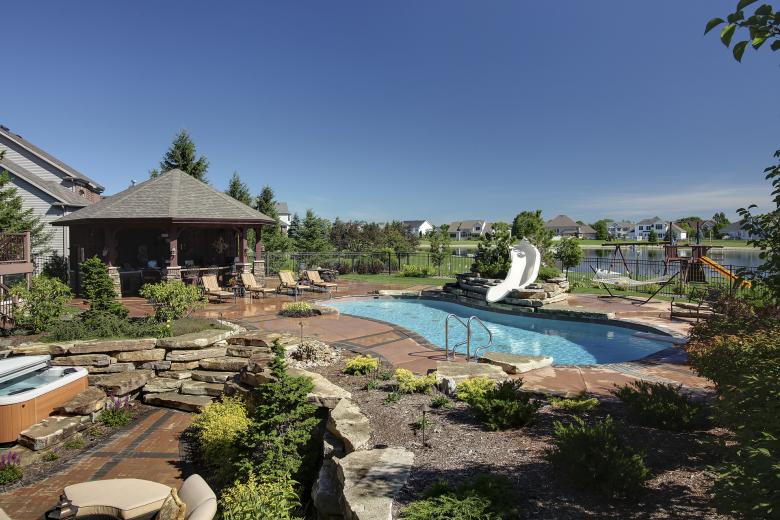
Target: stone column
(259, 263)
(243, 265)
(110, 255)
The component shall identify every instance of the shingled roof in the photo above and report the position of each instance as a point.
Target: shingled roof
(173, 196)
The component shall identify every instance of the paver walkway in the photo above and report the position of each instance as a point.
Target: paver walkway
(148, 450)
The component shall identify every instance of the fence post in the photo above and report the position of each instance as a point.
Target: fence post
(389, 259)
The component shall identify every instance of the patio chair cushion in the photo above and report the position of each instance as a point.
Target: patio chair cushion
(200, 499)
(124, 498)
(173, 508)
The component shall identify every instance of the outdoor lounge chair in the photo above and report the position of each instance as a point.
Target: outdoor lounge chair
(317, 281)
(135, 499)
(251, 285)
(212, 289)
(287, 281)
(607, 278)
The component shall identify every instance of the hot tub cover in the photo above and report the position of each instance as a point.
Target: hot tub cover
(19, 365)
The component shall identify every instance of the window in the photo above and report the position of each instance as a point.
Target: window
(659, 226)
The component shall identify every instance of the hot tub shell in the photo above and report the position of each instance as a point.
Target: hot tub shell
(21, 410)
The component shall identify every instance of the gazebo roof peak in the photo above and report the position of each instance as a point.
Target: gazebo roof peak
(172, 196)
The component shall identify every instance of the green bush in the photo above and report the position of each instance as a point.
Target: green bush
(408, 383)
(474, 388)
(596, 458)
(172, 300)
(297, 310)
(658, 405)
(484, 497)
(117, 413)
(74, 443)
(441, 402)
(10, 468)
(392, 397)
(546, 272)
(505, 406)
(56, 267)
(216, 429)
(98, 288)
(577, 404)
(42, 306)
(492, 258)
(270, 497)
(416, 271)
(361, 365)
(94, 325)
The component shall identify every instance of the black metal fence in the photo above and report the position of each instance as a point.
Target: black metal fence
(365, 263)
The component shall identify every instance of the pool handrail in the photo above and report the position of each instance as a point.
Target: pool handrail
(447, 336)
(481, 347)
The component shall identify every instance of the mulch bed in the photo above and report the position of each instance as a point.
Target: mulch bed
(462, 447)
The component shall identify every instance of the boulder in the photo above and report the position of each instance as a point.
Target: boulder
(245, 351)
(186, 403)
(347, 422)
(96, 360)
(152, 354)
(194, 340)
(195, 355)
(326, 492)
(184, 365)
(209, 376)
(515, 363)
(113, 368)
(175, 374)
(201, 388)
(89, 401)
(223, 363)
(124, 383)
(371, 479)
(37, 349)
(234, 388)
(254, 380)
(332, 446)
(161, 384)
(111, 345)
(325, 394)
(51, 431)
(259, 362)
(156, 365)
(260, 338)
(450, 374)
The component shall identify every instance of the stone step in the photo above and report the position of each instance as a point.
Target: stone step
(212, 376)
(223, 363)
(450, 374)
(124, 383)
(515, 363)
(162, 384)
(194, 340)
(201, 388)
(89, 401)
(186, 403)
(51, 431)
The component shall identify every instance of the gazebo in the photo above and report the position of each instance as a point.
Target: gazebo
(170, 227)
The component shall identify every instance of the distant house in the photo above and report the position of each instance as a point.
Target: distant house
(620, 230)
(50, 187)
(468, 229)
(564, 226)
(417, 227)
(643, 228)
(284, 216)
(735, 231)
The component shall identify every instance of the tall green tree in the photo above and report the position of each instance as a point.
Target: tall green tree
(530, 225)
(239, 190)
(721, 221)
(295, 227)
(313, 235)
(602, 233)
(762, 26)
(182, 155)
(273, 237)
(569, 253)
(652, 237)
(14, 218)
(439, 239)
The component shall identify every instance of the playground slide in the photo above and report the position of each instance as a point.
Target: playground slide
(721, 270)
(522, 272)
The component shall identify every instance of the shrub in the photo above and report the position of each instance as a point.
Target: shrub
(361, 365)
(215, 430)
(99, 289)
(416, 271)
(74, 443)
(474, 388)
(41, 306)
(420, 423)
(392, 397)
(546, 272)
(384, 374)
(56, 267)
(50, 456)
(267, 498)
(117, 413)
(441, 402)
(368, 265)
(297, 310)
(576, 404)
(596, 458)
(10, 468)
(92, 325)
(484, 497)
(372, 384)
(171, 300)
(505, 406)
(492, 259)
(408, 383)
(658, 405)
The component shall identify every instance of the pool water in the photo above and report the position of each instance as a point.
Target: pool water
(568, 342)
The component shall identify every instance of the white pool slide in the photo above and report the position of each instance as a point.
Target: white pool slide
(522, 272)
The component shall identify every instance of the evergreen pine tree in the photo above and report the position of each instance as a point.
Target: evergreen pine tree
(239, 190)
(181, 155)
(295, 227)
(273, 237)
(15, 219)
(314, 234)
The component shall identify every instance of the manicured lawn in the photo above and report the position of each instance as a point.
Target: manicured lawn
(393, 279)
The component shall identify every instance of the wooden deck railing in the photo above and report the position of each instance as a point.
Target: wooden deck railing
(15, 256)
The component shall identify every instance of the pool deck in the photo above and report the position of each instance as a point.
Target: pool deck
(403, 349)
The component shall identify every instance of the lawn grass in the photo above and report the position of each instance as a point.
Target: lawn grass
(394, 279)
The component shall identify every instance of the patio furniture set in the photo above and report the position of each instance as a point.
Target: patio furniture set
(249, 284)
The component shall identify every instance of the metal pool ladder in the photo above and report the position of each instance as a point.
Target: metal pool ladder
(467, 325)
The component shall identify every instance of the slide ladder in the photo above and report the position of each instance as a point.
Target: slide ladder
(722, 270)
(466, 325)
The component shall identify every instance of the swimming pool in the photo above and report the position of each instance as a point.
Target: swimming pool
(568, 342)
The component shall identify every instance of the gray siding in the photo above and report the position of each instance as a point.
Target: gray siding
(46, 207)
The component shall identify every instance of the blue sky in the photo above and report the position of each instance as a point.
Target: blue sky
(443, 109)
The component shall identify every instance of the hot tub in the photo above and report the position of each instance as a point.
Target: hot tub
(30, 389)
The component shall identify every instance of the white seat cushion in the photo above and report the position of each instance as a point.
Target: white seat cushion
(125, 498)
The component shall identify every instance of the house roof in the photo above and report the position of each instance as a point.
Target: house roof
(67, 169)
(55, 190)
(731, 228)
(621, 224)
(586, 229)
(173, 196)
(281, 208)
(648, 221)
(560, 221)
(413, 223)
(465, 224)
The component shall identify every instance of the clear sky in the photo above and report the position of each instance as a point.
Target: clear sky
(436, 109)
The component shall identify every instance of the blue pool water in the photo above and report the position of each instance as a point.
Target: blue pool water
(568, 342)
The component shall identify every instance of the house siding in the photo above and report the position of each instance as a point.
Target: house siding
(31, 163)
(47, 208)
